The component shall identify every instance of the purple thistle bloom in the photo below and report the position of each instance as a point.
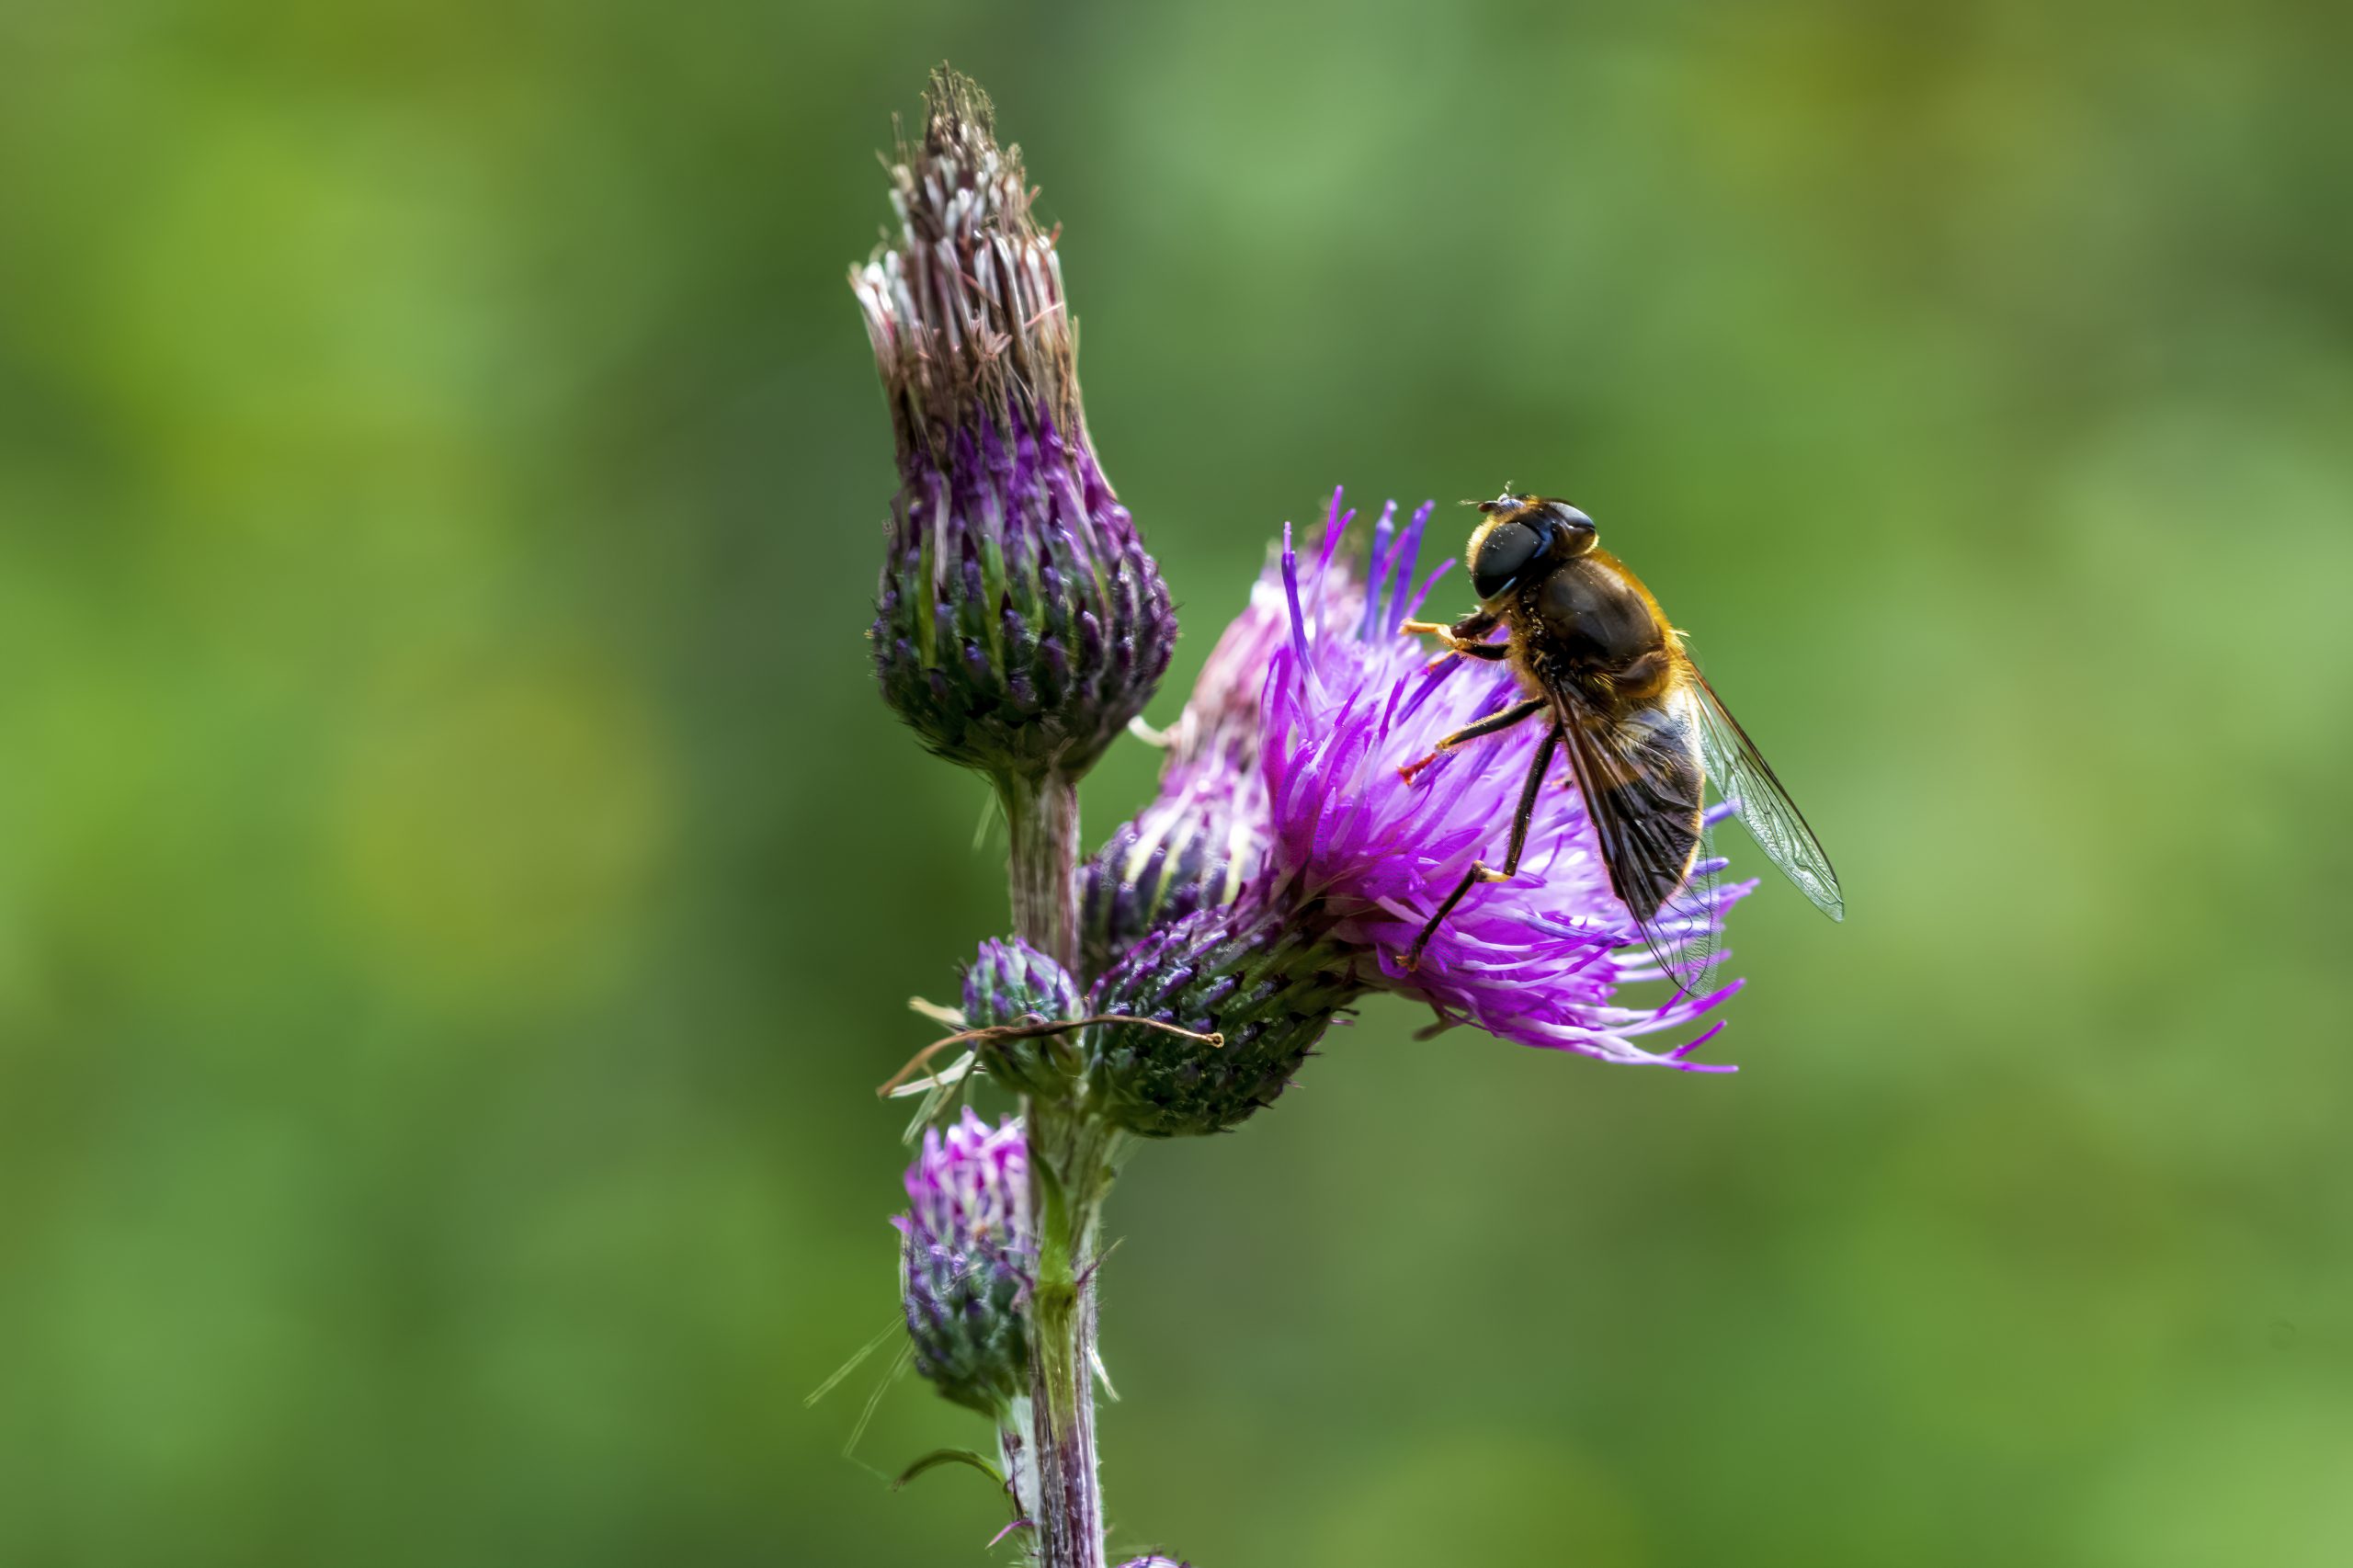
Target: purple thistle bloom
(1019, 624)
(966, 1261)
(1353, 858)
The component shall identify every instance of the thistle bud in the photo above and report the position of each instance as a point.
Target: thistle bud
(1191, 850)
(1204, 836)
(967, 1260)
(1019, 624)
(1011, 983)
(1267, 983)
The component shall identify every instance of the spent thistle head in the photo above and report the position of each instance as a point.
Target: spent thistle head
(1019, 624)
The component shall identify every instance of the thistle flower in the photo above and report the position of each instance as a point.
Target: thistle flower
(1350, 860)
(966, 1261)
(1019, 624)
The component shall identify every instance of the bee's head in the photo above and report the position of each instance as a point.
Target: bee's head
(1522, 536)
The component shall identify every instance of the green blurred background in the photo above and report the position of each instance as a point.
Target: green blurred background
(458, 888)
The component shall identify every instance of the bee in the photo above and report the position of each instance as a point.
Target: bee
(1645, 733)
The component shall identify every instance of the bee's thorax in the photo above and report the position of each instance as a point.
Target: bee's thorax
(1586, 624)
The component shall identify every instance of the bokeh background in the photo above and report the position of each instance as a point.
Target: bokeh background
(458, 889)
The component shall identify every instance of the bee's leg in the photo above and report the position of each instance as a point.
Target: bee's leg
(1503, 721)
(1525, 817)
(1472, 628)
(1480, 873)
(1492, 653)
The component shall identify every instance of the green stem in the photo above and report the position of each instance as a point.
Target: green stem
(1070, 1173)
(1041, 872)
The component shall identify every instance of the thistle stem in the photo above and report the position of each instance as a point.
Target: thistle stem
(1041, 872)
(1070, 1173)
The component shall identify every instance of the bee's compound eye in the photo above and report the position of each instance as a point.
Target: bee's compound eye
(1503, 551)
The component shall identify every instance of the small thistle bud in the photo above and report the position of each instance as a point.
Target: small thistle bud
(1263, 979)
(1019, 625)
(1010, 984)
(966, 1262)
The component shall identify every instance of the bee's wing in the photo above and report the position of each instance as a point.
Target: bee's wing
(1742, 777)
(1683, 934)
(1643, 788)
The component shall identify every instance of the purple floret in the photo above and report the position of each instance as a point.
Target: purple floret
(969, 1183)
